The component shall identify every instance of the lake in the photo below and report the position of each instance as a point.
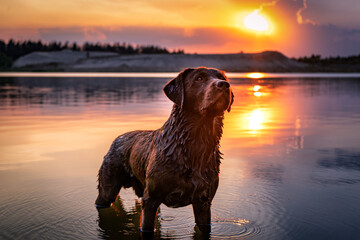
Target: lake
(291, 167)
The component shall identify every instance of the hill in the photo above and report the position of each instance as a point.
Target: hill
(81, 61)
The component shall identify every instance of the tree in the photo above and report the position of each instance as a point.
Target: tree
(5, 61)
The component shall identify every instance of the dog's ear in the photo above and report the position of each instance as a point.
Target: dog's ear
(175, 88)
(231, 101)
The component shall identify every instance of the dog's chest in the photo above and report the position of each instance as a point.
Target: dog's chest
(187, 190)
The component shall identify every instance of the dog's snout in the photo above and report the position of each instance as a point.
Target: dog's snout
(222, 84)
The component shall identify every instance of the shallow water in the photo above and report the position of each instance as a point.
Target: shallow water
(291, 167)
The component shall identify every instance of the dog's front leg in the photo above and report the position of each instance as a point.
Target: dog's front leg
(202, 214)
(149, 209)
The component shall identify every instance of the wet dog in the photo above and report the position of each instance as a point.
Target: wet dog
(177, 164)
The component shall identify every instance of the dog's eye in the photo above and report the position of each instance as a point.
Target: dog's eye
(199, 78)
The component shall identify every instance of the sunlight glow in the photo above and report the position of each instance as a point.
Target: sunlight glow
(241, 222)
(256, 119)
(256, 22)
(255, 75)
(256, 88)
(257, 94)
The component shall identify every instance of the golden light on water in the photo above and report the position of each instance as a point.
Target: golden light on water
(256, 116)
(241, 222)
(255, 75)
(257, 88)
(256, 91)
(257, 94)
(256, 119)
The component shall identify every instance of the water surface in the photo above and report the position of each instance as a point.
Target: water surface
(291, 167)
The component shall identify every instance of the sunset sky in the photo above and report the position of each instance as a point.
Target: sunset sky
(293, 27)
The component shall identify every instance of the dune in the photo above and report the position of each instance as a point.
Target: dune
(60, 58)
(78, 61)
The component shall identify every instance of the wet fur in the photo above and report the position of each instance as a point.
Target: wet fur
(177, 164)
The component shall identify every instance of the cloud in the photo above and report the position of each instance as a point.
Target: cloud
(172, 37)
(343, 14)
(267, 4)
(298, 5)
(321, 12)
(299, 16)
(309, 39)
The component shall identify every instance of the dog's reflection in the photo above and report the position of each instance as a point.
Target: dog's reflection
(117, 223)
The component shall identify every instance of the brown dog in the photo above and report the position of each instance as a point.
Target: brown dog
(177, 164)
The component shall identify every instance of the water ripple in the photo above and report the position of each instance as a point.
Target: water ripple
(234, 228)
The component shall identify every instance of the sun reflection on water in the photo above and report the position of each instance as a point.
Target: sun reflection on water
(256, 88)
(256, 120)
(257, 94)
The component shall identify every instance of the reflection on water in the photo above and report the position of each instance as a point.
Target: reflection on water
(77, 91)
(117, 223)
(255, 120)
(256, 88)
(340, 159)
(291, 167)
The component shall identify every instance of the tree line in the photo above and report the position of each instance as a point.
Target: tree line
(13, 49)
(317, 59)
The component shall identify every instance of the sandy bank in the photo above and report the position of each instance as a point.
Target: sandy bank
(73, 61)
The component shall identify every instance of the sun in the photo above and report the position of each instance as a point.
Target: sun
(256, 22)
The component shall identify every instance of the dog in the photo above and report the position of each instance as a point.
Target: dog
(177, 164)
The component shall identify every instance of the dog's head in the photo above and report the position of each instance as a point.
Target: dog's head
(201, 90)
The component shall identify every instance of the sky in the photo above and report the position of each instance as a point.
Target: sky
(294, 27)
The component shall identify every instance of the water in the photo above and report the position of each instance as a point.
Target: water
(291, 167)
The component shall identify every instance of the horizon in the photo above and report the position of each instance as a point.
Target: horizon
(80, 47)
(294, 28)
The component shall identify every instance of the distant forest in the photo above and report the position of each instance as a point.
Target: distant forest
(317, 59)
(12, 50)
